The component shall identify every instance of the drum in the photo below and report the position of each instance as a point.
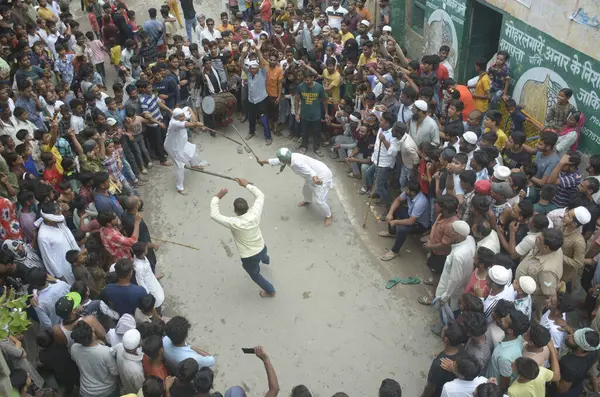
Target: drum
(219, 103)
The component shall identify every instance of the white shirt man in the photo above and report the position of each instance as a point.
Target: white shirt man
(462, 387)
(386, 158)
(335, 15)
(129, 361)
(318, 178)
(491, 242)
(499, 275)
(409, 152)
(209, 35)
(458, 266)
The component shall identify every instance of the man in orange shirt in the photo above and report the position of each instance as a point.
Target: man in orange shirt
(225, 25)
(465, 96)
(363, 11)
(274, 86)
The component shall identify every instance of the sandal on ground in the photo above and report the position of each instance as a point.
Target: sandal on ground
(407, 281)
(425, 300)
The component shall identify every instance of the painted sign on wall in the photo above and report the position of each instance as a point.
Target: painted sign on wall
(542, 66)
(445, 26)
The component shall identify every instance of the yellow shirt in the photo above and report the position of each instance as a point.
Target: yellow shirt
(333, 81)
(46, 14)
(536, 387)
(115, 55)
(372, 59)
(347, 36)
(56, 154)
(502, 138)
(482, 88)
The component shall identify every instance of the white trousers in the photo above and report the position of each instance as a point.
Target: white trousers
(317, 194)
(179, 170)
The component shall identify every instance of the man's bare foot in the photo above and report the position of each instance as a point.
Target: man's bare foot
(166, 163)
(197, 167)
(265, 294)
(328, 221)
(159, 276)
(182, 192)
(303, 204)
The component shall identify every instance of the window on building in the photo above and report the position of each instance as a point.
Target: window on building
(417, 18)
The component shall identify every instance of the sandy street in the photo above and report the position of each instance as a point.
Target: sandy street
(333, 326)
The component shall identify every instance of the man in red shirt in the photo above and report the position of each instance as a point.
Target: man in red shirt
(113, 240)
(279, 39)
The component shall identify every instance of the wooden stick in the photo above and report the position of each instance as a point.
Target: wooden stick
(212, 173)
(174, 243)
(248, 146)
(224, 136)
(368, 209)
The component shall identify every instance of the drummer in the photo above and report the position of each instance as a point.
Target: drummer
(257, 92)
(178, 147)
(212, 85)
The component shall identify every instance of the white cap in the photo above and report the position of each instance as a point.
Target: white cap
(326, 28)
(502, 173)
(583, 215)
(470, 137)
(387, 28)
(177, 112)
(110, 121)
(365, 22)
(421, 105)
(527, 284)
(462, 228)
(499, 274)
(132, 339)
(253, 64)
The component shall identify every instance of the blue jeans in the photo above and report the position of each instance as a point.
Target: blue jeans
(189, 25)
(401, 231)
(252, 267)
(380, 182)
(404, 176)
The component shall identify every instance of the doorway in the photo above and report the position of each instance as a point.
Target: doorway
(486, 25)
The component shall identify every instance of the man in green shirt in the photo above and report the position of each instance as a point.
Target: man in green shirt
(309, 101)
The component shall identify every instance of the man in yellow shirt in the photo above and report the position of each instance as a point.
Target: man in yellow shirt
(332, 80)
(368, 56)
(44, 12)
(481, 98)
(346, 33)
(491, 123)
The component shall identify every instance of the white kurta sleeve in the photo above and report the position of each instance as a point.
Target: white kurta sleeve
(274, 162)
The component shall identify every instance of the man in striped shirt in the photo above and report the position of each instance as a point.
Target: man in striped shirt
(567, 178)
(152, 104)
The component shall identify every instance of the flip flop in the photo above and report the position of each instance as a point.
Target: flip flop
(424, 300)
(407, 281)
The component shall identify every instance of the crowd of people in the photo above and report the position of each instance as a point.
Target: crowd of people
(509, 225)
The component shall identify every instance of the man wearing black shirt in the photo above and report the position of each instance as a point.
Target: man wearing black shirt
(132, 205)
(453, 336)
(189, 14)
(584, 344)
(513, 154)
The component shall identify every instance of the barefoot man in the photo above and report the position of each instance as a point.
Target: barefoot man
(245, 227)
(317, 178)
(178, 147)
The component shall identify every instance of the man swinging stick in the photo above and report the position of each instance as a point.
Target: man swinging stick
(318, 178)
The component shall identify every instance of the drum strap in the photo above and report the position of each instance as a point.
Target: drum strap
(211, 88)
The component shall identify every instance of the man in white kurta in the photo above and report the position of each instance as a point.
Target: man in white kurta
(458, 266)
(54, 241)
(318, 178)
(177, 146)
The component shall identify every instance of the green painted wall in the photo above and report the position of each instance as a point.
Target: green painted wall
(541, 66)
